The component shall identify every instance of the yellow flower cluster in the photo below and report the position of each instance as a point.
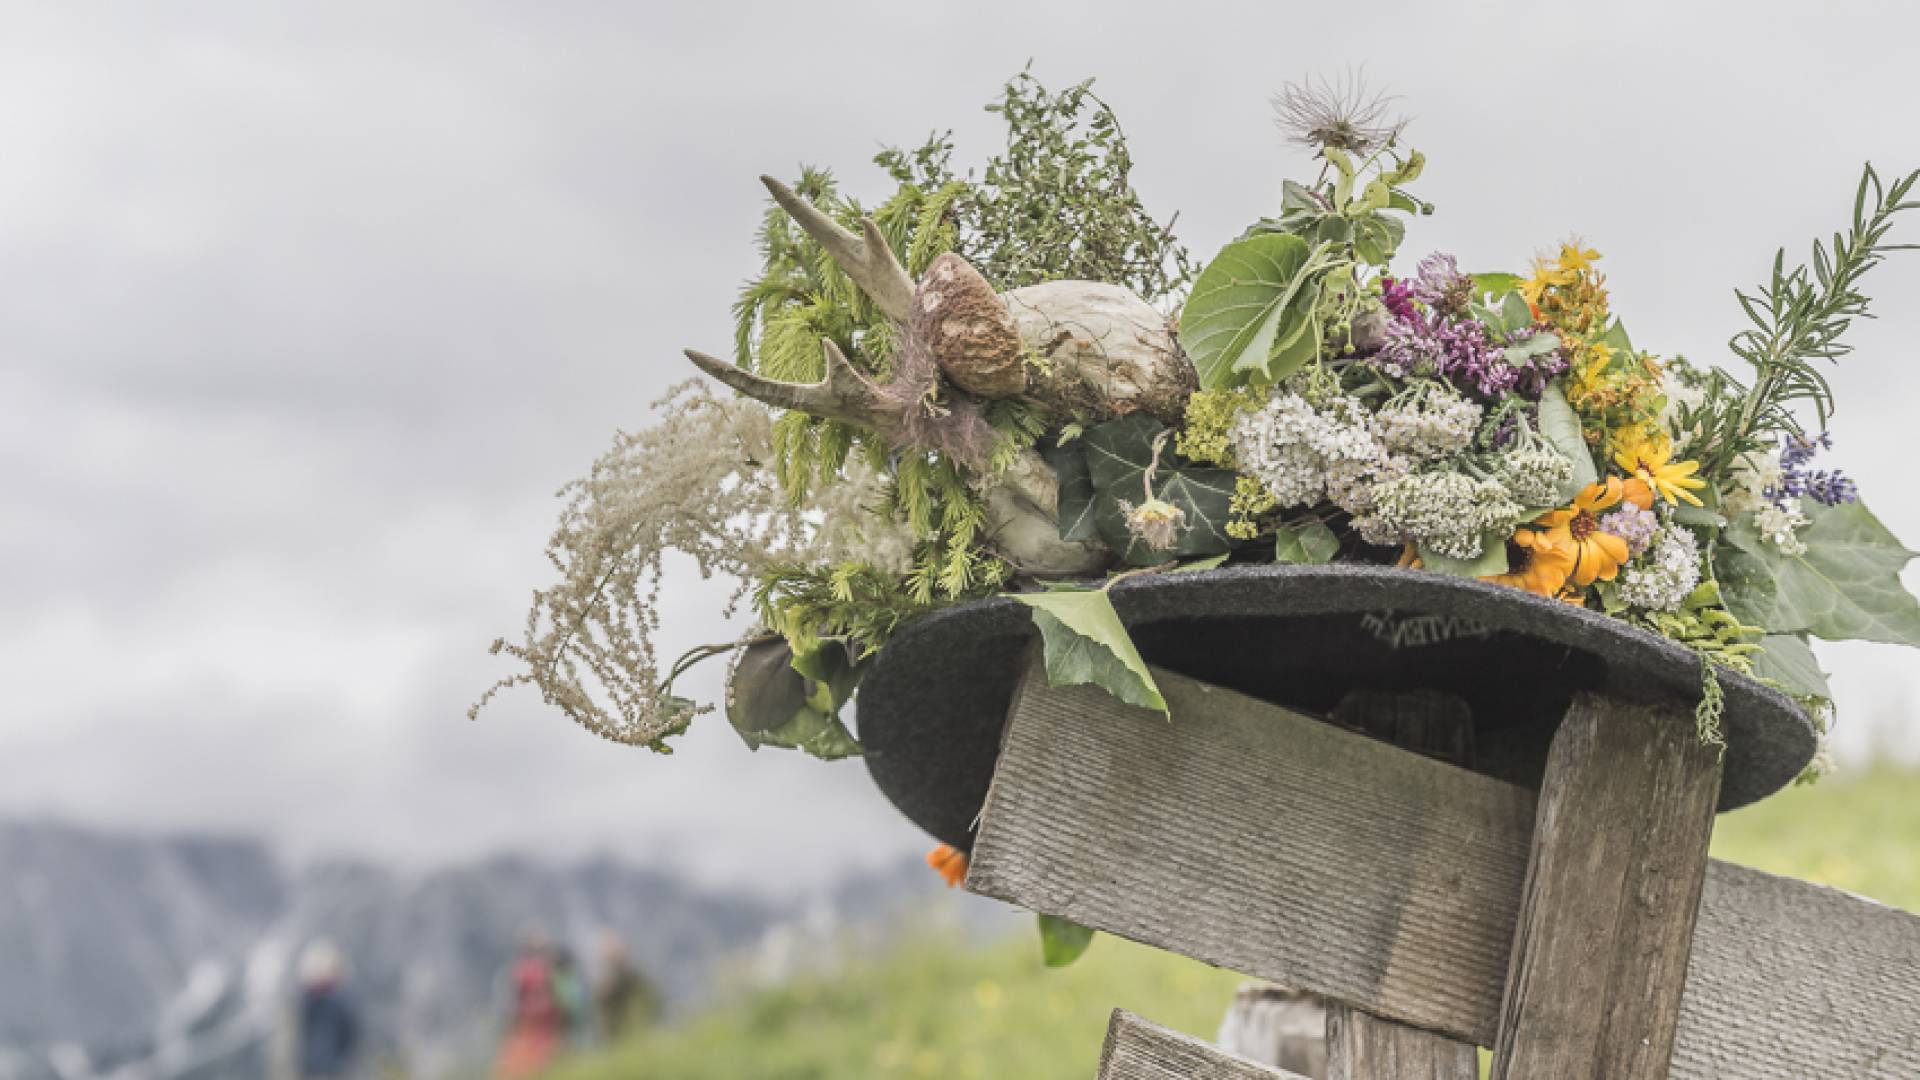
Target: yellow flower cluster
(1617, 394)
(1250, 500)
(1615, 390)
(1567, 292)
(1206, 433)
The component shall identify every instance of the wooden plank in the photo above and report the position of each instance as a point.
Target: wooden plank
(1606, 919)
(1361, 1046)
(1139, 1049)
(1279, 846)
(1262, 841)
(1819, 981)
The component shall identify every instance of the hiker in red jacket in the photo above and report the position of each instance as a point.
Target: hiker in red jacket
(536, 1032)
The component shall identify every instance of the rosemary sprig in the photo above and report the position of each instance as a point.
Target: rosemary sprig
(1799, 316)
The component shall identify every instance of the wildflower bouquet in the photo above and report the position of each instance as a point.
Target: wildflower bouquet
(1000, 381)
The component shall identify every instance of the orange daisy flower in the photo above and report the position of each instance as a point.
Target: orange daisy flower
(1535, 562)
(1597, 555)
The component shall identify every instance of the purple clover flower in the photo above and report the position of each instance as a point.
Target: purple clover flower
(1461, 352)
(1398, 297)
(1439, 284)
(1827, 487)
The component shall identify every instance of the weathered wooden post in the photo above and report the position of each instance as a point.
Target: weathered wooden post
(1581, 932)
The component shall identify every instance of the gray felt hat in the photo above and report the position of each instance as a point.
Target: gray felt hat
(932, 708)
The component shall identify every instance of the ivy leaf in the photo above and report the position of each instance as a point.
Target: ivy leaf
(1074, 506)
(1311, 543)
(1118, 453)
(1846, 585)
(1085, 642)
(1204, 496)
(1492, 559)
(1062, 941)
(1562, 428)
(1233, 317)
(1788, 660)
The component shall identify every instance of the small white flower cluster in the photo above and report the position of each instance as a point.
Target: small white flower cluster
(1304, 453)
(1535, 477)
(1428, 426)
(1670, 571)
(1446, 512)
(1753, 475)
(1678, 396)
(1781, 528)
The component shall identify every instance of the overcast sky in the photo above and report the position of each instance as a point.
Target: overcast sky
(305, 313)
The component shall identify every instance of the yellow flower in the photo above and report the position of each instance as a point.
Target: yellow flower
(1535, 563)
(1597, 555)
(1576, 258)
(1546, 274)
(1650, 472)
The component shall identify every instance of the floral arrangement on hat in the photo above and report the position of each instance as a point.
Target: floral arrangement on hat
(1013, 378)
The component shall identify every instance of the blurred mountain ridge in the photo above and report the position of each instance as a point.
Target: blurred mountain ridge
(171, 957)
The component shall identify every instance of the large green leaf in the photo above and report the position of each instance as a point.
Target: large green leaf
(1119, 451)
(1117, 454)
(1085, 642)
(1788, 660)
(1239, 304)
(1062, 941)
(1562, 428)
(1845, 586)
(1494, 286)
(1311, 543)
(1515, 312)
(770, 702)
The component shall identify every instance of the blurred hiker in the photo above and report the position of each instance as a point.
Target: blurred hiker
(536, 1026)
(570, 993)
(624, 1002)
(328, 1029)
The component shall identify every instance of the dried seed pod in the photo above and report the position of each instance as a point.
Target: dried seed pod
(962, 322)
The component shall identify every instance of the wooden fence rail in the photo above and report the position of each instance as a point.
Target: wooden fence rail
(1277, 845)
(1138, 1049)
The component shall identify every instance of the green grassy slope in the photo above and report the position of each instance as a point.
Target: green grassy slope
(937, 1009)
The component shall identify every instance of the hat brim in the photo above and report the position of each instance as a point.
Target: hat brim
(931, 710)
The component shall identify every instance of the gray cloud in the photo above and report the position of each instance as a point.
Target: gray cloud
(309, 310)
